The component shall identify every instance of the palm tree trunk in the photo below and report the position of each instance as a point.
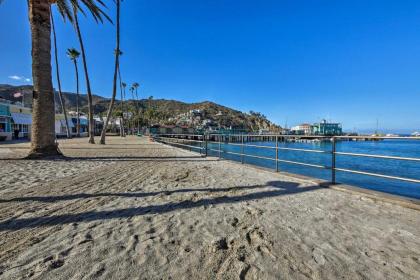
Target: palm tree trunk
(138, 112)
(122, 104)
(57, 71)
(77, 98)
(43, 113)
(114, 84)
(89, 92)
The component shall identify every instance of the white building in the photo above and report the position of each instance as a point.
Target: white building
(305, 129)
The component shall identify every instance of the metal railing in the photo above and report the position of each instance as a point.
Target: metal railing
(202, 143)
(173, 139)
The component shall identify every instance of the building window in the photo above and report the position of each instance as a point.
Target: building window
(4, 125)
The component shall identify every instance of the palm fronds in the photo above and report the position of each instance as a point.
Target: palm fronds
(95, 7)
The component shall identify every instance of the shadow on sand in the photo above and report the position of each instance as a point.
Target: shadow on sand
(280, 188)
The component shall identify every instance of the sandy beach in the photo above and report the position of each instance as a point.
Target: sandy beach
(135, 209)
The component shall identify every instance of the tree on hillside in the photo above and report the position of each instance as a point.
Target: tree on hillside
(73, 54)
(114, 81)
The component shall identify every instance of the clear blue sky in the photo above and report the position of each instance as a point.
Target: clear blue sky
(348, 61)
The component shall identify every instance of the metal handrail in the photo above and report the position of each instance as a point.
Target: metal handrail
(245, 145)
(333, 151)
(377, 156)
(378, 175)
(320, 136)
(184, 145)
(188, 140)
(378, 137)
(188, 135)
(305, 150)
(271, 135)
(304, 164)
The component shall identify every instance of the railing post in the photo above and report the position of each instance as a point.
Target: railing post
(242, 150)
(277, 153)
(333, 161)
(206, 147)
(220, 147)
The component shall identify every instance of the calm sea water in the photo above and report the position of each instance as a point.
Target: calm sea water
(401, 148)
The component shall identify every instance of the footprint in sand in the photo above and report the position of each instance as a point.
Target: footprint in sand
(256, 238)
(88, 238)
(234, 222)
(219, 244)
(51, 262)
(97, 271)
(151, 231)
(318, 256)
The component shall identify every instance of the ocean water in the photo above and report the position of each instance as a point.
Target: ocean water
(401, 148)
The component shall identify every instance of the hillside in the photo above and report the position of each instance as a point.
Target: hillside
(161, 111)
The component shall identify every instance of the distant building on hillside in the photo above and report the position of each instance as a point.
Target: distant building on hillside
(302, 129)
(325, 128)
(170, 129)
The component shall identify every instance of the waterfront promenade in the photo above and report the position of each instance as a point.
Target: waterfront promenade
(135, 209)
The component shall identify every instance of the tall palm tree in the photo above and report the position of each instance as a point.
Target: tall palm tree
(118, 53)
(114, 81)
(43, 114)
(57, 71)
(89, 91)
(131, 89)
(123, 86)
(98, 14)
(74, 54)
(135, 86)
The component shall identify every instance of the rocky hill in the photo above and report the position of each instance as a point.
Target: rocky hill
(160, 111)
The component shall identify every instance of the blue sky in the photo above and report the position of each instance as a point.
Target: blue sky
(300, 61)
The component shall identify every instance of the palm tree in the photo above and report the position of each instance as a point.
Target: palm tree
(123, 86)
(89, 91)
(72, 14)
(43, 114)
(135, 104)
(73, 54)
(135, 86)
(114, 82)
(57, 71)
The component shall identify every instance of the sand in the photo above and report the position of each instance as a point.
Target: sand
(139, 210)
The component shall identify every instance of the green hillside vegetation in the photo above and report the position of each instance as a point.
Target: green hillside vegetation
(157, 111)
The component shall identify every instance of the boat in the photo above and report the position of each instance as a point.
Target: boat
(415, 134)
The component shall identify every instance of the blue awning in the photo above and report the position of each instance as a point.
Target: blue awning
(19, 118)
